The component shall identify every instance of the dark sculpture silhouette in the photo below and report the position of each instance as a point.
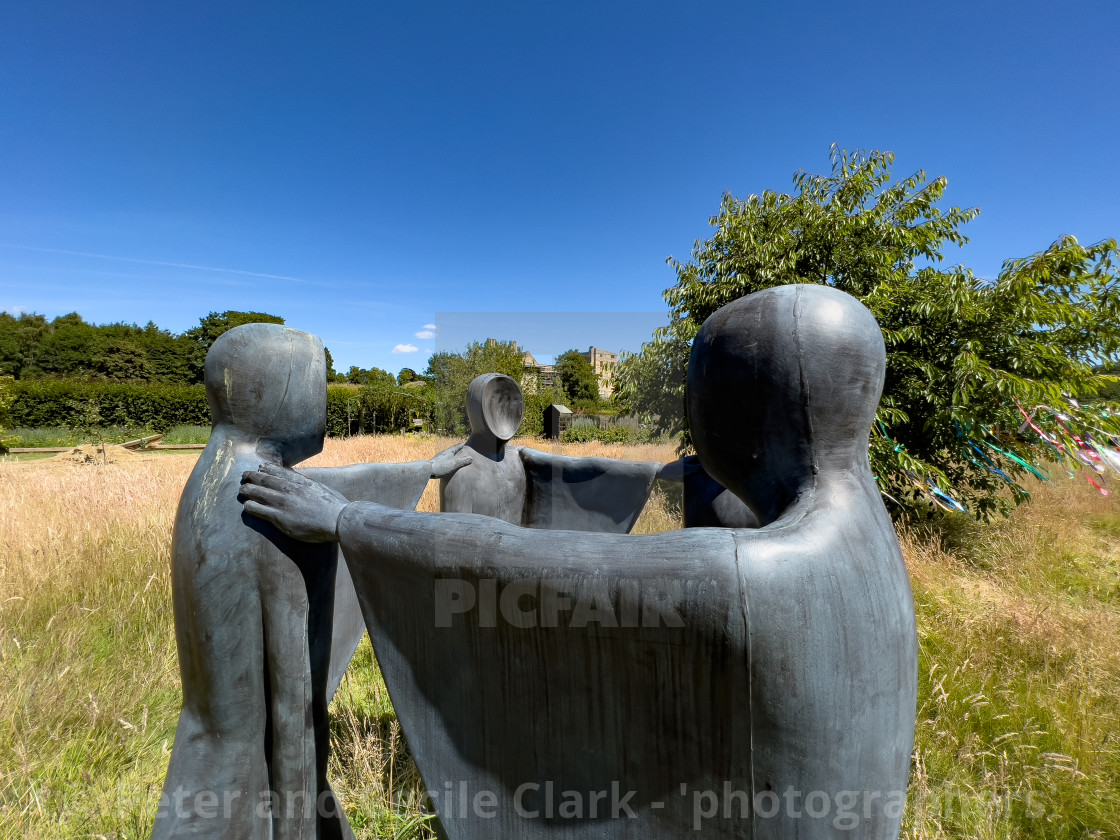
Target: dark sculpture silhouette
(713, 681)
(255, 611)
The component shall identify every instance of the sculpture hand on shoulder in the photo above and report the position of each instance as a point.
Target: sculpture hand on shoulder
(303, 509)
(450, 460)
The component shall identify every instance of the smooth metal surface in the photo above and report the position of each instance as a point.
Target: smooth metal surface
(706, 502)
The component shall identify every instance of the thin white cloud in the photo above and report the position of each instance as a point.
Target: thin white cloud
(425, 334)
(429, 326)
(405, 348)
(159, 262)
(14, 310)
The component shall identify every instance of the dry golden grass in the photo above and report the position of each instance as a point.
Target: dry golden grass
(1019, 625)
(89, 686)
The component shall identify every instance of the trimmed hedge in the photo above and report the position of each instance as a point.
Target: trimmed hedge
(68, 403)
(159, 407)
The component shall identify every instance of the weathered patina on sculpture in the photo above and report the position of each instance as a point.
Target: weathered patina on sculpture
(536, 489)
(257, 625)
(710, 682)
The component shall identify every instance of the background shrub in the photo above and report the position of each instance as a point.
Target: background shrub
(585, 433)
(51, 436)
(66, 403)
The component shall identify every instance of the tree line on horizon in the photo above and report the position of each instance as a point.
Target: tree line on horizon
(68, 347)
(91, 357)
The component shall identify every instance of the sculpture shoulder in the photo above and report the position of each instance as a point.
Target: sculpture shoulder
(210, 518)
(835, 539)
(217, 472)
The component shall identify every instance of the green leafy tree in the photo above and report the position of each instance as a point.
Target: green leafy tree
(6, 400)
(406, 375)
(964, 354)
(122, 360)
(451, 373)
(19, 342)
(213, 325)
(361, 376)
(332, 374)
(578, 380)
(392, 406)
(1111, 391)
(171, 358)
(68, 348)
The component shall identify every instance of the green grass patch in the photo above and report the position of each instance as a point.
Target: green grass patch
(27, 456)
(179, 435)
(64, 436)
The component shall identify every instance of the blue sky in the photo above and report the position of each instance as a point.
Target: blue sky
(359, 167)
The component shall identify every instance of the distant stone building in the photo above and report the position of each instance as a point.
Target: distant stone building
(538, 377)
(603, 362)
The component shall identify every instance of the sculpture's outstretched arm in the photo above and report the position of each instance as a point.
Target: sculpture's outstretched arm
(676, 471)
(309, 511)
(567, 493)
(449, 461)
(395, 485)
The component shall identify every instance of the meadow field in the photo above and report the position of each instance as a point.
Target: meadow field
(1019, 630)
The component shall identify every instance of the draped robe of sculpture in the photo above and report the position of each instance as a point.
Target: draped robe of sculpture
(705, 502)
(538, 489)
(584, 685)
(394, 485)
(253, 607)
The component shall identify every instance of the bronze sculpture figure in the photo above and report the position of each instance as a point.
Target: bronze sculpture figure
(256, 624)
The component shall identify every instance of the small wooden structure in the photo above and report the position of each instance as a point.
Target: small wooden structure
(556, 419)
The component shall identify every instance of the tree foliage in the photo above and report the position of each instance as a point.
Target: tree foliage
(216, 323)
(451, 373)
(578, 380)
(964, 354)
(69, 348)
(332, 374)
(361, 376)
(6, 399)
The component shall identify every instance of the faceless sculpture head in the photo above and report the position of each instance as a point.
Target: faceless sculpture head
(495, 406)
(269, 383)
(782, 387)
